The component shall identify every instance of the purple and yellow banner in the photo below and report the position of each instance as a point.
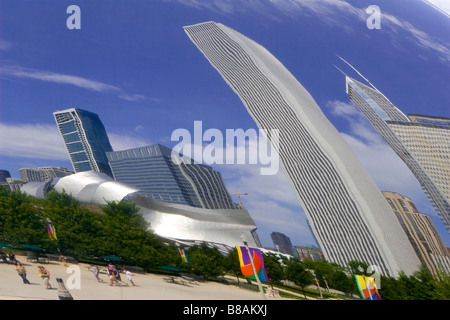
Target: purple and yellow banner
(246, 266)
(367, 288)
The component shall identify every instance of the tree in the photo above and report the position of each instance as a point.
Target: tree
(232, 264)
(77, 228)
(442, 286)
(340, 281)
(274, 270)
(358, 267)
(21, 219)
(205, 261)
(126, 233)
(297, 273)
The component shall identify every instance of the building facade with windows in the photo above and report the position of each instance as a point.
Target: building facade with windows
(85, 138)
(347, 213)
(152, 170)
(282, 243)
(43, 173)
(422, 142)
(421, 232)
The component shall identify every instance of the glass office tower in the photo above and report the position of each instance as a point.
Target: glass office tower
(151, 170)
(85, 138)
(348, 215)
(422, 142)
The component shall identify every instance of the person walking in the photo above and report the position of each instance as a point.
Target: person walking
(129, 276)
(45, 275)
(22, 271)
(111, 275)
(96, 272)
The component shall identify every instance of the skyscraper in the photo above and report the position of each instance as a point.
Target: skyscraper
(421, 232)
(85, 138)
(422, 142)
(282, 243)
(349, 216)
(151, 170)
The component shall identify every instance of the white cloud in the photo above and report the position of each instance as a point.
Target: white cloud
(40, 141)
(43, 141)
(20, 72)
(122, 142)
(336, 13)
(59, 78)
(441, 5)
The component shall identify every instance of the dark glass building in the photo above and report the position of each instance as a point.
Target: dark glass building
(282, 242)
(85, 139)
(151, 170)
(3, 175)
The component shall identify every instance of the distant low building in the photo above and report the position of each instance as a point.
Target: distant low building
(43, 173)
(309, 252)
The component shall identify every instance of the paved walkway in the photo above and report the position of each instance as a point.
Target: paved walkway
(148, 286)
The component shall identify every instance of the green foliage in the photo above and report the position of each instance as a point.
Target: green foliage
(232, 264)
(442, 287)
(297, 273)
(205, 261)
(120, 230)
(274, 270)
(21, 221)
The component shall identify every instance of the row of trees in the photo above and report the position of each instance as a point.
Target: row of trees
(118, 229)
(115, 229)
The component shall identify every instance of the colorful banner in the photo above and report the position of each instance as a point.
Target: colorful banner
(258, 262)
(367, 288)
(183, 255)
(51, 231)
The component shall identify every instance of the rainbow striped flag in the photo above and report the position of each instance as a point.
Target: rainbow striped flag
(183, 255)
(51, 232)
(258, 262)
(367, 288)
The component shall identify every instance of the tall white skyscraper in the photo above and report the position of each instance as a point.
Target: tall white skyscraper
(347, 213)
(422, 142)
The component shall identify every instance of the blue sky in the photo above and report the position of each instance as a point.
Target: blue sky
(132, 63)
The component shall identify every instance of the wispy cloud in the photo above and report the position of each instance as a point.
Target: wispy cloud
(43, 141)
(21, 72)
(441, 5)
(38, 141)
(336, 13)
(59, 78)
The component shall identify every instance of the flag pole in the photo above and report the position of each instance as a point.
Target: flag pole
(261, 291)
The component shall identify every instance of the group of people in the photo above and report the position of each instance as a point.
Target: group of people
(114, 275)
(11, 256)
(112, 272)
(43, 273)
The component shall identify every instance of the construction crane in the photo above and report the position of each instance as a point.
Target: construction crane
(239, 197)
